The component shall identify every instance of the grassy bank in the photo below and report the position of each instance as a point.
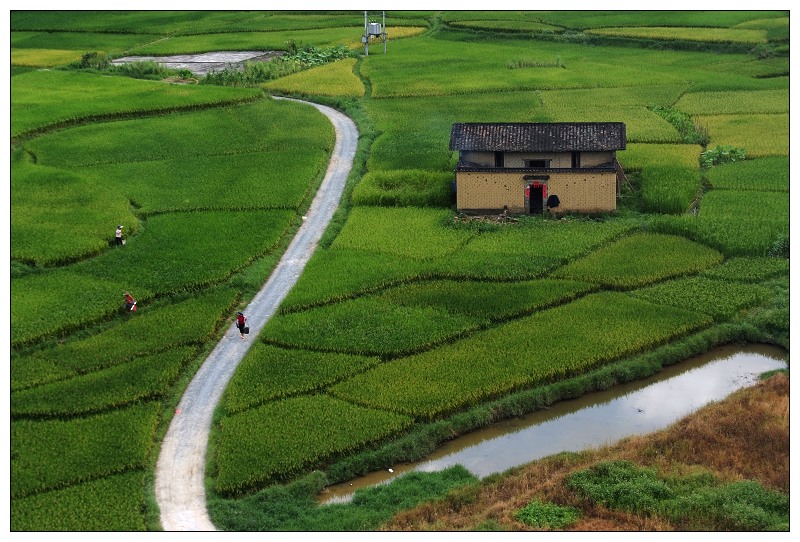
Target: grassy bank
(723, 468)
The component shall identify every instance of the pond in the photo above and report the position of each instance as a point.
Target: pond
(593, 420)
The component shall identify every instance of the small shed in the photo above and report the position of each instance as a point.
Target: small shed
(537, 167)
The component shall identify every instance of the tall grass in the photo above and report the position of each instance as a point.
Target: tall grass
(407, 232)
(149, 331)
(735, 102)
(268, 373)
(250, 176)
(141, 379)
(720, 299)
(293, 508)
(403, 188)
(414, 317)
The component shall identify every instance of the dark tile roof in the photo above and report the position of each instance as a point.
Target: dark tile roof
(538, 136)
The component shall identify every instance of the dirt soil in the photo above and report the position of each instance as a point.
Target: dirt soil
(180, 472)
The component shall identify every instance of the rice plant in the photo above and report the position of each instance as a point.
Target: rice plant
(641, 259)
(107, 504)
(669, 189)
(55, 454)
(721, 299)
(566, 340)
(761, 174)
(261, 445)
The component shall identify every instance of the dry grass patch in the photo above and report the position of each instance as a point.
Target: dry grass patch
(744, 437)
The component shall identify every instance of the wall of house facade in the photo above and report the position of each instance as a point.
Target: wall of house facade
(557, 159)
(588, 192)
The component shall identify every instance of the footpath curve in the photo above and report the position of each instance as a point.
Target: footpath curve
(180, 471)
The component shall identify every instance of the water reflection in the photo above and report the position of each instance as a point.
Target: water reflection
(595, 419)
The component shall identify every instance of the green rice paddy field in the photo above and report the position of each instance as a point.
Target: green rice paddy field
(408, 325)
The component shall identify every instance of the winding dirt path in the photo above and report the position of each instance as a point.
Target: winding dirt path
(180, 472)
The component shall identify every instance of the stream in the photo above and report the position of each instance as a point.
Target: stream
(593, 420)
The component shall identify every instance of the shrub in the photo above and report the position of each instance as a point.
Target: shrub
(688, 129)
(544, 515)
(721, 154)
(621, 485)
(692, 503)
(144, 69)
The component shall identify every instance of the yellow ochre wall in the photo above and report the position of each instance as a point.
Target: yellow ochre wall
(581, 192)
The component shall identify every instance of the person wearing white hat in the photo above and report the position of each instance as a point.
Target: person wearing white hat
(118, 236)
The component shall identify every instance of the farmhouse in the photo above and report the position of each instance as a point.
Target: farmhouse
(526, 167)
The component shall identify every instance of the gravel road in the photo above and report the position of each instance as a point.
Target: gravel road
(180, 472)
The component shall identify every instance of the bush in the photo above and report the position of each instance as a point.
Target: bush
(693, 503)
(721, 154)
(547, 515)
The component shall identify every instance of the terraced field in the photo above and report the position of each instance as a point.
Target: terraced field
(408, 325)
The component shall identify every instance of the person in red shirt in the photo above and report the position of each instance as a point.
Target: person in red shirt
(240, 320)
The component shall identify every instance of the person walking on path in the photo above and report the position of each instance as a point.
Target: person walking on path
(240, 320)
(118, 236)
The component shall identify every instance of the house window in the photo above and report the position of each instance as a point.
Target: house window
(576, 160)
(498, 159)
(537, 163)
